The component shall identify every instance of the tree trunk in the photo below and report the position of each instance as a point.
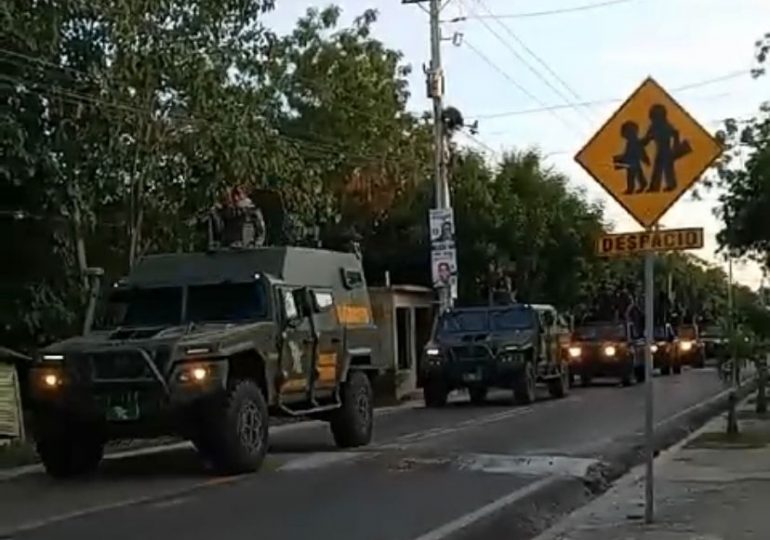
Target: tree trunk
(732, 418)
(761, 390)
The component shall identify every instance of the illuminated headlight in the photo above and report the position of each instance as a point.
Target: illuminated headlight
(653, 348)
(686, 345)
(609, 350)
(432, 351)
(575, 352)
(53, 357)
(194, 374)
(50, 380)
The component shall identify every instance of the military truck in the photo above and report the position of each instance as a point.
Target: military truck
(506, 346)
(606, 349)
(207, 345)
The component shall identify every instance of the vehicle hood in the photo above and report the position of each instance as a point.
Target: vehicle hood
(218, 336)
(495, 340)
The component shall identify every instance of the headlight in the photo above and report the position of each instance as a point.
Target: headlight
(575, 352)
(686, 345)
(53, 357)
(609, 350)
(194, 373)
(432, 351)
(653, 348)
(51, 380)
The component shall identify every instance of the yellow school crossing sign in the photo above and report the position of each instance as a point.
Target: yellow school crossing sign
(649, 153)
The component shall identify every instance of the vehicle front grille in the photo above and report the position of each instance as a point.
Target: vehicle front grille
(470, 352)
(117, 365)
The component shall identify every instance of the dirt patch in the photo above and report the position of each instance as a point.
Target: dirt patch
(745, 440)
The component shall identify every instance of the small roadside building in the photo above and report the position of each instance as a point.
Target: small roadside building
(404, 316)
(11, 414)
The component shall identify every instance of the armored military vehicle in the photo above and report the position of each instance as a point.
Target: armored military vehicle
(607, 349)
(506, 346)
(208, 345)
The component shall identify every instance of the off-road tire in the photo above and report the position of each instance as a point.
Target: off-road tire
(700, 361)
(351, 424)
(68, 450)
(585, 380)
(665, 370)
(234, 435)
(435, 394)
(524, 385)
(558, 387)
(478, 394)
(677, 369)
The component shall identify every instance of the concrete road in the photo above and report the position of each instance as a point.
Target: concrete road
(428, 474)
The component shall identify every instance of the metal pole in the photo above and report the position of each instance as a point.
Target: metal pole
(436, 84)
(731, 319)
(649, 492)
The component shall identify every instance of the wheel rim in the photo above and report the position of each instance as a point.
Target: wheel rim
(250, 427)
(362, 407)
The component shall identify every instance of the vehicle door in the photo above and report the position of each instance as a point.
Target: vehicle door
(550, 336)
(329, 334)
(295, 347)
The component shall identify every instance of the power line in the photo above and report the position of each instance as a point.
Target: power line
(606, 101)
(516, 84)
(538, 59)
(546, 13)
(480, 143)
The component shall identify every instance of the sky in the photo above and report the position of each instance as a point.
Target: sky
(506, 64)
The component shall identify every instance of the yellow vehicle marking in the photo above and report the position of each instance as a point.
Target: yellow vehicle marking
(350, 314)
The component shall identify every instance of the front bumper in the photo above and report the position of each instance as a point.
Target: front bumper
(597, 365)
(456, 371)
(123, 407)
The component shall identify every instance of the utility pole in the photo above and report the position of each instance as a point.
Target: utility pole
(732, 420)
(443, 253)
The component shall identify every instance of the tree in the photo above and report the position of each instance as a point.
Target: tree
(744, 172)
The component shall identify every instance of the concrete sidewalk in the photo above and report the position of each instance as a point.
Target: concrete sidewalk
(706, 488)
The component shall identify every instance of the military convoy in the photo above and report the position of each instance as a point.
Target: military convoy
(506, 346)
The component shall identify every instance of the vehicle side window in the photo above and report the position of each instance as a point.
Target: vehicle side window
(322, 300)
(290, 311)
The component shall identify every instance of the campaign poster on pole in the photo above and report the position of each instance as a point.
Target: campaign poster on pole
(444, 266)
(442, 229)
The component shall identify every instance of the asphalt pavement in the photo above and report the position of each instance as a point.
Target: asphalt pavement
(428, 474)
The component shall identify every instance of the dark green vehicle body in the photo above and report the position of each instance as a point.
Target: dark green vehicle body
(194, 335)
(512, 347)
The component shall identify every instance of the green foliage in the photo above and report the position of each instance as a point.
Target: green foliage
(745, 174)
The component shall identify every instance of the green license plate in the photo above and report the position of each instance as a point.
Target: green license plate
(122, 407)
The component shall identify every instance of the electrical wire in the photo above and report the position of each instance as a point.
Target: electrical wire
(608, 101)
(518, 86)
(508, 30)
(546, 13)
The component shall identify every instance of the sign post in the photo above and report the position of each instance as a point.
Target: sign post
(646, 156)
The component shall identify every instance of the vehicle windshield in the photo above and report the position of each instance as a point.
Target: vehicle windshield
(226, 302)
(512, 319)
(600, 332)
(711, 331)
(687, 332)
(157, 306)
(486, 320)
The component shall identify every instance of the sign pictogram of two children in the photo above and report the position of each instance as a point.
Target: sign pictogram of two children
(669, 148)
